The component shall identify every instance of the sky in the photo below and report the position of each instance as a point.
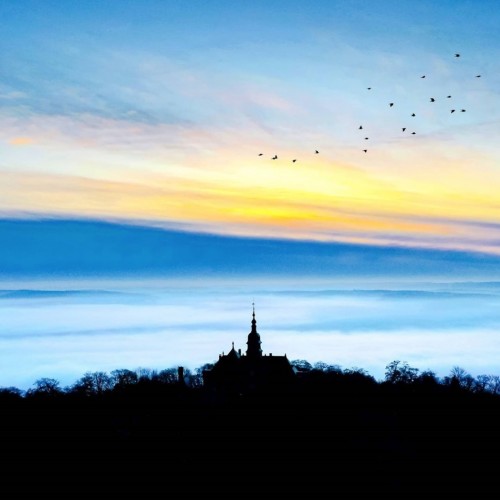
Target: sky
(137, 142)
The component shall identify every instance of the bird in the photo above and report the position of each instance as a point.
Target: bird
(448, 96)
(432, 99)
(365, 150)
(478, 76)
(462, 110)
(275, 157)
(360, 127)
(413, 114)
(316, 151)
(403, 129)
(260, 154)
(457, 55)
(452, 111)
(294, 161)
(366, 138)
(413, 133)
(423, 76)
(391, 104)
(368, 88)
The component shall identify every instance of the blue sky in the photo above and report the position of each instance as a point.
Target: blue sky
(155, 112)
(130, 135)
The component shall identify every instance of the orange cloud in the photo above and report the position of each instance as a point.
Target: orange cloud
(21, 141)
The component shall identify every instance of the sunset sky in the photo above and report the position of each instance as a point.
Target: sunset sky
(155, 112)
(132, 127)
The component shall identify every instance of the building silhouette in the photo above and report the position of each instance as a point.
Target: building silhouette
(236, 373)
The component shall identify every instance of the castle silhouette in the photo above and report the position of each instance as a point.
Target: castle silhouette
(236, 373)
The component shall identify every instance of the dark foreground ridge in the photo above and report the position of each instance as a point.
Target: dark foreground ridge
(329, 425)
(309, 427)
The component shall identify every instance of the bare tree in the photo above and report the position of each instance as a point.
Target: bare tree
(325, 367)
(93, 383)
(83, 386)
(48, 386)
(102, 382)
(144, 373)
(123, 377)
(494, 384)
(482, 383)
(301, 365)
(400, 372)
(459, 377)
(168, 376)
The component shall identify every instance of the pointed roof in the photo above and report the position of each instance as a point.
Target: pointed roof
(253, 344)
(233, 353)
(254, 321)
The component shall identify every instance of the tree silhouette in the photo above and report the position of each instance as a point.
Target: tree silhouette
(48, 386)
(459, 378)
(482, 383)
(301, 365)
(494, 384)
(325, 367)
(122, 378)
(168, 376)
(10, 394)
(93, 383)
(400, 372)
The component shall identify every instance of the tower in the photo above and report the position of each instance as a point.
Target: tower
(253, 344)
(234, 375)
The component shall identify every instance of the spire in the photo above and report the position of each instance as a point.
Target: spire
(253, 344)
(254, 321)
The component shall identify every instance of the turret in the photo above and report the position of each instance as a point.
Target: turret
(253, 344)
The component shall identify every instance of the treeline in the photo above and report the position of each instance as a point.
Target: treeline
(398, 374)
(332, 428)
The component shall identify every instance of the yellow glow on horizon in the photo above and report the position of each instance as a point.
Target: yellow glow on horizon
(315, 198)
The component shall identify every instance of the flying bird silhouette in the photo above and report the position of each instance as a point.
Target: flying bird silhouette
(316, 151)
(433, 100)
(294, 161)
(368, 88)
(478, 76)
(360, 127)
(391, 104)
(413, 133)
(457, 55)
(452, 111)
(423, 76)
(413, 114)
(448, 96)
(366, 138)
(462, 110)
(275, 157)
(260, 154)
(365, 150)
(403, 129)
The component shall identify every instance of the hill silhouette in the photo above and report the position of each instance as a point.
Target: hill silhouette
(409, 432)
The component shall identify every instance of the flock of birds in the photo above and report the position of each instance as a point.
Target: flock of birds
(391, 104)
